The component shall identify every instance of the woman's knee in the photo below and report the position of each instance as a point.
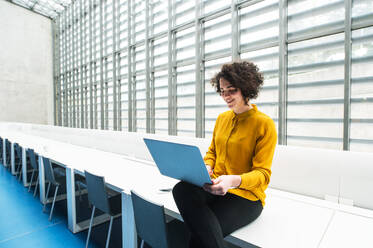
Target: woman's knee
(183, 189)
(180, 188)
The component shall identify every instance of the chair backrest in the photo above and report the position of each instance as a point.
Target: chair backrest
(18, 150)
(7, 146)
(32, 157)
(150, 221)
(1, 148)
(15, 145)
(97, 193)
(48, 171)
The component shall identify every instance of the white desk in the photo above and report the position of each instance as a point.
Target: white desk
(321, 223)
(311, 220)
(67, 155)
(119, 171)
(348, 230)
(270, 229)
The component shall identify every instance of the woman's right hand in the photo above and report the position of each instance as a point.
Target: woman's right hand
(209, 170)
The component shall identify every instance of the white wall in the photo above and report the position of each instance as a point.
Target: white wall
(26, 70)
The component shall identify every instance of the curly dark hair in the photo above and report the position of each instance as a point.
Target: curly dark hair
(243, 75)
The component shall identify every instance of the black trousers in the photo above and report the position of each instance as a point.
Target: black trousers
(209, 217)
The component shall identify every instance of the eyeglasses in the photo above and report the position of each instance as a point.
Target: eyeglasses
(228, 92)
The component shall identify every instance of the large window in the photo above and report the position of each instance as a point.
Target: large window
(316, 91)
(259, 37)
(146, 66)
(362, 90)
(159, 78)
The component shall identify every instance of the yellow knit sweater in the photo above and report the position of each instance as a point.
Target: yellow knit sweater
(244, 144)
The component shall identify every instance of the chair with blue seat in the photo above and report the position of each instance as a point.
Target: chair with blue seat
(52, 179)
(55, 176)
(7, 153)
(18, 160)
(103, 198)
(152, 226)
(1, 150)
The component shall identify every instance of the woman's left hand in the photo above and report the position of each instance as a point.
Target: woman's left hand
(222, 184)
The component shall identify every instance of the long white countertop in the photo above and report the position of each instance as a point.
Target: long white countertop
(288, 220)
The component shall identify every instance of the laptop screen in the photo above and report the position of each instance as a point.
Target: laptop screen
(179, 161)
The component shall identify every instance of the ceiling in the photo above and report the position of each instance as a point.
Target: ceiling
(48, 8)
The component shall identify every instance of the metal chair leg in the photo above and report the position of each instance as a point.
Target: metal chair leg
(109, 232)
(19, 176)
(8, 162)
(32, 178)
(37, 185)
(142, 244)
(54, 200)
(8, 166)
(19, 172)
(46, 196)
(90, 226)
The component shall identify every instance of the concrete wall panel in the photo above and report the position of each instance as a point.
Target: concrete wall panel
(26, 70)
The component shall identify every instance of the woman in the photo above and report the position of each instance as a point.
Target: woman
(238, 160)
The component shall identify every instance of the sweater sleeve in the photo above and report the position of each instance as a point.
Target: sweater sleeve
(210, 156)
(262, 160)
